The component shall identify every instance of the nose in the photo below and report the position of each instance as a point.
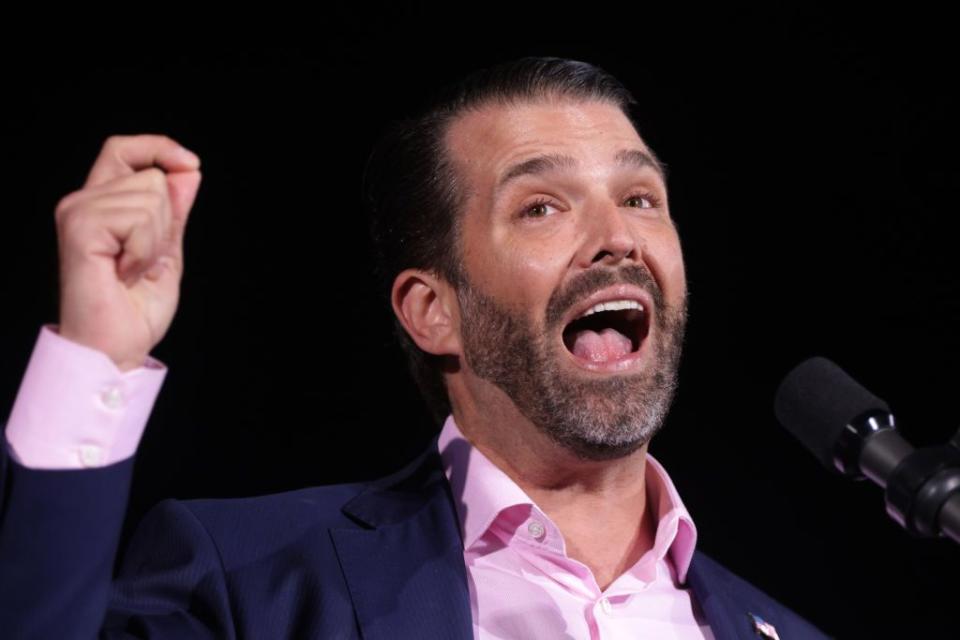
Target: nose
(609, 238)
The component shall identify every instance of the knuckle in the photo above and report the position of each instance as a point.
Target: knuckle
(114, 141)
(74, 223)
(153, 139)
(64, 206)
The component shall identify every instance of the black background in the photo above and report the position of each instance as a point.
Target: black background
(814, 176)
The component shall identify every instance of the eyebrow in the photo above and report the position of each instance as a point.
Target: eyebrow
(633, 158)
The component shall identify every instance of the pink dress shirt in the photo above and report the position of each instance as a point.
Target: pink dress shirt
(76, 409)
(523, 584)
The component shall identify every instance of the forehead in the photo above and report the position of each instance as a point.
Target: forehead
(487, 142)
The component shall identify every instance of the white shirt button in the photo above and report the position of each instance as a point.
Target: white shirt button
(605, 605)
(90, 455)
(111, 397)
(536, 529)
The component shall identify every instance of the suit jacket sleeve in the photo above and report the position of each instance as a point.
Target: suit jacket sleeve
(59, 531)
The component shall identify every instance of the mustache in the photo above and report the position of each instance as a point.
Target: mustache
(601, 278)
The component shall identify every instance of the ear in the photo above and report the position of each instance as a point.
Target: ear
(427, 307)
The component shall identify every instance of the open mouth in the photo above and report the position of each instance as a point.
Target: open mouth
(607, 333)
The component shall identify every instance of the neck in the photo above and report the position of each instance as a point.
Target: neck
(599, 506)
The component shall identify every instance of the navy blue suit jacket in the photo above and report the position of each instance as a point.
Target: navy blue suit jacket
(365, 560)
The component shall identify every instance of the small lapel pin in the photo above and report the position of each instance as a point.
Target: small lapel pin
(763, 628)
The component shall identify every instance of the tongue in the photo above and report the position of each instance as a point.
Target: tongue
(605, 346)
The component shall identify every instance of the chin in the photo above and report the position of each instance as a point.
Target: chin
(599, 451)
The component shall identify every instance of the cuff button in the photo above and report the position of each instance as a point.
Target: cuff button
(90, 455)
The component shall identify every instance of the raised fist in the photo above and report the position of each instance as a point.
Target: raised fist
(120, 243)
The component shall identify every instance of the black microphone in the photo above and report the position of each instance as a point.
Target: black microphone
(853, 432)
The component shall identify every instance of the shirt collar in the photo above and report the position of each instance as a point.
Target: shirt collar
(482, 491)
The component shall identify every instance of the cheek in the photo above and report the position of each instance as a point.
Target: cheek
(664, 256)
(523, 282)
(529, 267)
(542, 266)
(674, 273)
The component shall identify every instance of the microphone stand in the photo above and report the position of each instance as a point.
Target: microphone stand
(922, 486)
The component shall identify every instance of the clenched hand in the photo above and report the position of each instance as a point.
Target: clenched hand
(120, 243)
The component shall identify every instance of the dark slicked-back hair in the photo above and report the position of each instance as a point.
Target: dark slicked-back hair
(415, 197)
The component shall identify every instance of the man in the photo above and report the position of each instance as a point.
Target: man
(537, 282)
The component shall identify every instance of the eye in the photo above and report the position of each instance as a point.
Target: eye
(537, 209)
(652, 200)
(540, 207)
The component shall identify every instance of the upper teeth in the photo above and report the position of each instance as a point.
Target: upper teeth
(613, 305)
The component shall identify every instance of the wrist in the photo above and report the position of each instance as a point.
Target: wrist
(124, 364)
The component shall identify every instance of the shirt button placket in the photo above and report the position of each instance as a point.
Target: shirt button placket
(536, 530)
(112, 397)
(606, 606)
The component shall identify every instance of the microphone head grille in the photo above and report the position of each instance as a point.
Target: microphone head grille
(816, 400)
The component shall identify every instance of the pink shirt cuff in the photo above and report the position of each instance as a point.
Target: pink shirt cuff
(76, 408)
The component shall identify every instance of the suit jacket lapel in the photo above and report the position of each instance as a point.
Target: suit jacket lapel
(404, 565)
(405, 568)
(726, 604)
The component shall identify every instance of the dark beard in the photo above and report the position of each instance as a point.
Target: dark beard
(596, 418)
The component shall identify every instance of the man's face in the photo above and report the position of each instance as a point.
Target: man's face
(546, 240)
